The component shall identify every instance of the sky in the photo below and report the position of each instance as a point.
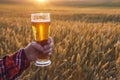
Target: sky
(62, 0)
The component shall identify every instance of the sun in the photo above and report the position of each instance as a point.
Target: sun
(41, 0)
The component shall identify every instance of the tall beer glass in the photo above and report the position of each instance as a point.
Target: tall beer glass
(41, 30)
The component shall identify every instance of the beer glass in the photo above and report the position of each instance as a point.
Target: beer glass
(41, 30)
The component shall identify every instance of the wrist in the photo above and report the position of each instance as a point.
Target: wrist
(26, 54)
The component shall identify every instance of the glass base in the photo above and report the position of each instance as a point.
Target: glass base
(41, 63)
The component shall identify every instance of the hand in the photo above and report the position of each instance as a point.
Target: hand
(34, 49)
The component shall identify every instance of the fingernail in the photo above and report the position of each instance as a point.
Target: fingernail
(49, 54)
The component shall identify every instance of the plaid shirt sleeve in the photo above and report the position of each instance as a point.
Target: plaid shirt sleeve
(12, 66)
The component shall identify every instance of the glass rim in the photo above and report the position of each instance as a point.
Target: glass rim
(40, 14)
(33, 14)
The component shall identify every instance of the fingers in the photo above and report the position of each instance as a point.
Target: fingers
(37, 46)
(49, 40)
(47, 51)
(47, 46)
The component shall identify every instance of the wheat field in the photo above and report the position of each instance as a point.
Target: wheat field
(86, 41)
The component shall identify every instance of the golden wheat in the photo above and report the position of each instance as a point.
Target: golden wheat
(86, 42)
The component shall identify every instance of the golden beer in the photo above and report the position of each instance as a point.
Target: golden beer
(41, 30)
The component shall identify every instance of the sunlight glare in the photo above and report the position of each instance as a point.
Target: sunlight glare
(41, 1)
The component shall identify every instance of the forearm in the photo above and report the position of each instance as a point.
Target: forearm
(21, 60)
(13, 66)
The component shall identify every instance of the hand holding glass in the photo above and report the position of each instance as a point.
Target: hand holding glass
(41, 30)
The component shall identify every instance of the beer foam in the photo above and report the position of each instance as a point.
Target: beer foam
(40, 17)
